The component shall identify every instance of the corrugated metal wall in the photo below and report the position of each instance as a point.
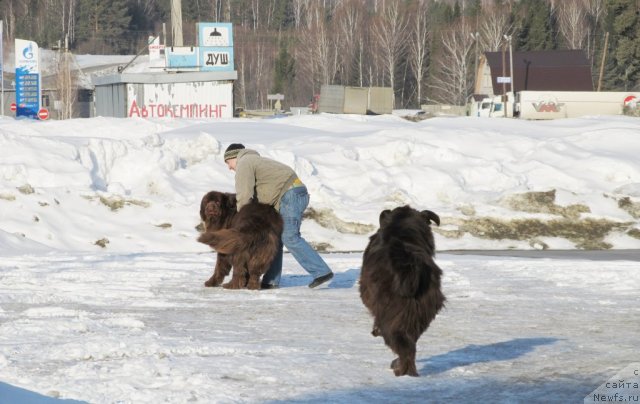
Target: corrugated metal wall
(110, 100)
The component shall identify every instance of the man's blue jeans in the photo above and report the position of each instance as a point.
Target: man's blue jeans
(292, 205)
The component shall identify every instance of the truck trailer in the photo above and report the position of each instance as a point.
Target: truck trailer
(572, 104)
(556, 104)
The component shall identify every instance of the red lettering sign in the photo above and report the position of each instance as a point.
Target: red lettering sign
(176, 110)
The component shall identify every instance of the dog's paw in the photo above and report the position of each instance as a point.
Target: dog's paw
(210, 283)
(253, 286)
(405, 372)
(403, 369)
(231, 285)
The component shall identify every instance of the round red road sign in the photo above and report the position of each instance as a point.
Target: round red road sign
(43, 114)
(13, 106)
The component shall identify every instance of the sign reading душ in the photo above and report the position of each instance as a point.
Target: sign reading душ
(216, 46)
(213, 53)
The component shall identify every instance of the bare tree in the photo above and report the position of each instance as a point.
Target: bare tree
(149, 5)
(270, 11)
(255, 57)
(348, 21)
(68, 14)
(10, 22)
(299, 7)
(255, 14)
(17, 12)
(221, 10)
(453, 80)
(494, 24)
(66, 84)
(360, 58)
(241, 83)
(596, 11)
(317, 50)
(419, 46)
(259, 72)
(389, 32)
(573, 23)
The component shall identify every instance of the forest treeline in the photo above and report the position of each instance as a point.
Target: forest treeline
(426, 50)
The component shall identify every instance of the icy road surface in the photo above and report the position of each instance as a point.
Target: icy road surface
(141, 328)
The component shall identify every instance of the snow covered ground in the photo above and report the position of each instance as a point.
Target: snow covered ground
(140, 328)
(101, 296)
(134, 185)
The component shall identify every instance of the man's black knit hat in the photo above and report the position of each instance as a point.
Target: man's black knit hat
(232, 151)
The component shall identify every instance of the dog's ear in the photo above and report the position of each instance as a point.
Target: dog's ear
(231, 201)
(430, 217)
(203, 204)
(384, 217)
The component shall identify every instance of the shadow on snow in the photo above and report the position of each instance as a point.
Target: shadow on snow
(435, 385)
(13, 394)
(471, 354)
(341, 280)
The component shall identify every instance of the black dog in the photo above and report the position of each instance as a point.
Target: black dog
(248, 240)
(400, 282)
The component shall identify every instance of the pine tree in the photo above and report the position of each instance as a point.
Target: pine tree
(475, 8)
(105, 24)
(535, 26)
(285, 70)
(283, 16)
(626, 50)
(457, 11)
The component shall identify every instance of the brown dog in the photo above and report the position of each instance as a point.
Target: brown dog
(248, 240)
(217, 210)
(400, 282)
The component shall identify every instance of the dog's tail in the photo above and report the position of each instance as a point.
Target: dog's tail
(412, 268)
(224, 241)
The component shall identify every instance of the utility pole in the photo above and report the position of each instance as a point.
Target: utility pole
(504, 84)
(513, 92)
(176, 22)
(164, 34)
(604, 56)
(475, 36)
